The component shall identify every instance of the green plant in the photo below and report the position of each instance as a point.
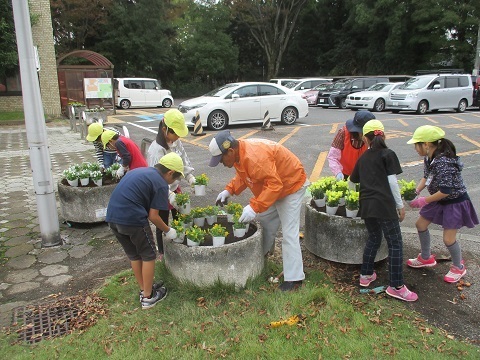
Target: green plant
(197, 212)
(94, 166)
(407, 189)
(218, 230)
(211, 210)
(182, 199)
(342, 186)
(70, 174)
(96, 109)
(195, 234)
(96, 175)
(237, 224)
(84, 174)
(333, 197)
(185, 218)
(317, 191)
(178, 226)
(327, 183)
(352, 201)
(233, 208)
(201, 179)
(75, 104)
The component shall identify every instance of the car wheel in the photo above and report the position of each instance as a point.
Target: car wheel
(343, 104)
(395, 111)
(289, 116)
(166, 103)
(379, 105)
(125, 104)
(462, 106)
(422, 107)
(217, 120)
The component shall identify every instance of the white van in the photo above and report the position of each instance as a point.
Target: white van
(141, 92)
(432, 92)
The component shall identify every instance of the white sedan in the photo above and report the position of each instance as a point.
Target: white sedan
(245, 103)
(373, 98)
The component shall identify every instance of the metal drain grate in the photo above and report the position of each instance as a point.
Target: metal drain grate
(42, 322)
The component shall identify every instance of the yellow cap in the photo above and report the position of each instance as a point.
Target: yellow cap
(175, 120)
(94, 131)
(107, 135)
(426, 133)
(372, 125)
(172, 161)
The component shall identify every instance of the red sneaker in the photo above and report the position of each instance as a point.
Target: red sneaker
(419, 262)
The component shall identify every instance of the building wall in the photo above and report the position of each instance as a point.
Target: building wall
(11, 103)
(42, 33)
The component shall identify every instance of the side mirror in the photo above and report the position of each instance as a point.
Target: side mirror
(235, 96)
(156, 87)
(436, 86)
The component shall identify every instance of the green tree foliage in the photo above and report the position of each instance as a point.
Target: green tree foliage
(8, 44)
(207, 53)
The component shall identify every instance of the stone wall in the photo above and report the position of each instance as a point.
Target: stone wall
(11, 103)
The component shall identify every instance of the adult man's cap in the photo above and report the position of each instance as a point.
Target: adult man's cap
(372, 125)
(107, 135)
(94, 131)
(172, 161)
(359, 120)
(175, 120)
(426, 133)
(219, 145)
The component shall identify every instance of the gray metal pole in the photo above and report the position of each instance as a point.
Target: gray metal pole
(35, 126)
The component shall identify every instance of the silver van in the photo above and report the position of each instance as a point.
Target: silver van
(141, 92)
(432, 92)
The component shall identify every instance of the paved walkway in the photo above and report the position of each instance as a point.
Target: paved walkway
(28, 271)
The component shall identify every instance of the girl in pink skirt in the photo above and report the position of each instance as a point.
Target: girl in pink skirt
(447, 204)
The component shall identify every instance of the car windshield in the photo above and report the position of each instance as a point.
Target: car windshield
(380, 87)
(222, 90)
(339, 85)
(292, 84)
(416, 83)
(322, 86)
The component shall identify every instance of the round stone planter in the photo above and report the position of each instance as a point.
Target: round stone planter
(84, 204)
(337, 238)
(232, 263)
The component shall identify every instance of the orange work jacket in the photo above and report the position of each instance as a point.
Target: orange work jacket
(269, 170)
(350, 155)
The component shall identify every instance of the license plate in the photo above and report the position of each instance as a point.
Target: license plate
(395, 103)
(321, 100)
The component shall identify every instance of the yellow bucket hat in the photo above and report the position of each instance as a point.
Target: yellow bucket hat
(426, 133)
(175, 120)
(372, 125)
(94, 131)
(107, 135)
(172, 161)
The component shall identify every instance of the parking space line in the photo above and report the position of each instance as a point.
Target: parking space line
(198, 138)
(456, 118)
(471, 141)
(247, 135)
(334, 128)
(403, 122)
(293, 132)
(113, 120)
(431, 120)
(317, 169)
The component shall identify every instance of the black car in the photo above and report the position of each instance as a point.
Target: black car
(336, 96)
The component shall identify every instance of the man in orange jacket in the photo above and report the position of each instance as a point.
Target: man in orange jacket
(278, 182)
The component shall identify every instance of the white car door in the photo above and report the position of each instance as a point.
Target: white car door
(272, 100)
(246, 107)
(152, 95)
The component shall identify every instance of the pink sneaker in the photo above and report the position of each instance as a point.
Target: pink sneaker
(455, 273)
(365, 280)
(418, 262)
(403, 293)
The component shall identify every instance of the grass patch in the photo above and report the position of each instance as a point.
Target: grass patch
(220, 322)
(11, 115)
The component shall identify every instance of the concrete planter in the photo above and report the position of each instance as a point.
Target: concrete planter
(84, 204)
(337, 238)
(232, 263)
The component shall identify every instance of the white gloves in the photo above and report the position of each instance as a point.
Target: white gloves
(339, 176)
(222, 198)
(120, 172)
(247, 215)
(172, 199)
(191, 179)
(171, 234)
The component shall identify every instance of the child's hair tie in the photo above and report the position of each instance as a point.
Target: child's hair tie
(378, 132)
